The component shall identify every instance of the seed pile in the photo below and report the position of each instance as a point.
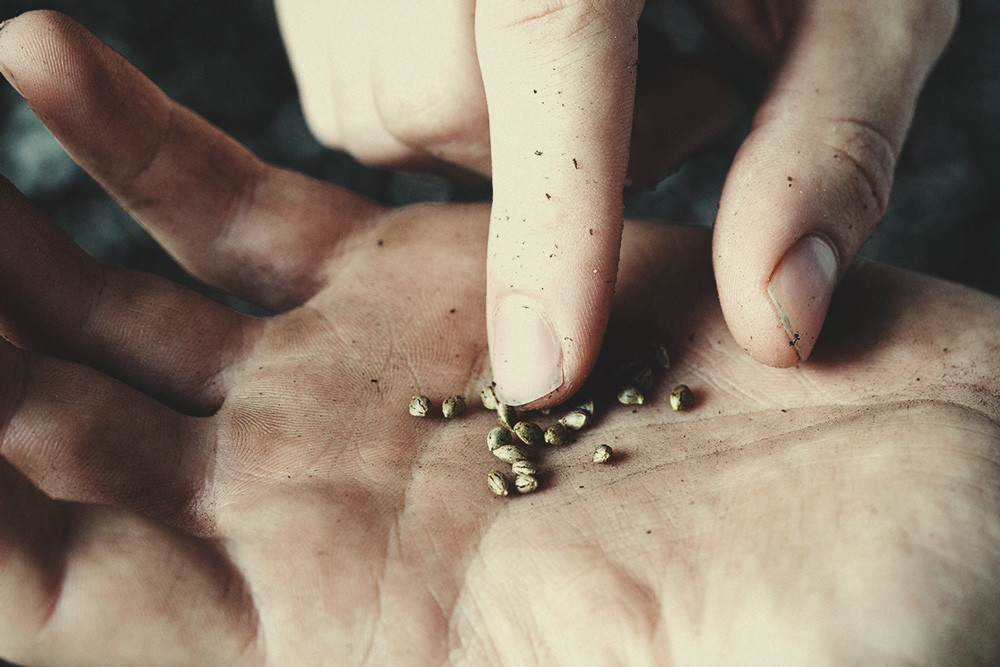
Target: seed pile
(513, 439)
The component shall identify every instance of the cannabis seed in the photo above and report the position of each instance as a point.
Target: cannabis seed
(558, 434)
(453, 406)
(643, 378)
(681, 398)
(630, 395)
(498, 483)
(507, 415)
(575, 419)
(660, 355)
(530, 433)
(602, 454)
(509, 453)
(524, 467)
(419, 406)
(489, 398)
(587, 406)
(526, 483)
(498, 437)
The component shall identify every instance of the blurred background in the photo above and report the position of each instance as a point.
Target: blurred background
(224, 59)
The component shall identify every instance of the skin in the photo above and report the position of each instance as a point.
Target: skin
(546, 98)
(181, 483)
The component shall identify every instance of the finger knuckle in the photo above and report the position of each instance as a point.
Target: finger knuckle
(870, 155)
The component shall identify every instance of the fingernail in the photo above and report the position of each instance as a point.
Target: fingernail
(800, 289)
(527, 356)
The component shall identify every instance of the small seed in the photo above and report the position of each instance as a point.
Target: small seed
(643, 378)
(524, 467)
(419, 406)
(498, 483)
(681, 398)
(602, 454)
(558, 434)
(660, 356)
(575, 419)
(587, 406)
(489, 398)
(509, 453)
(545, 411)
(507, 415)
(630, 395)
(453, 406)
(525, 483)
(530, 433)
(498, 437)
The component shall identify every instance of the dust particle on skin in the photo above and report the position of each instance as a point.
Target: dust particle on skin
(538, 152)
(380, 242)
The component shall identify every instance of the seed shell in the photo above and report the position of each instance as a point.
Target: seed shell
(525, 483)
(489, 398)
(498, 437)
(558, 434)
(660, 356)
(419, 406)
(507, 415)
(643, 379)
(575, 419)
(681, 398)
(630, 395)
(498, 483)
(524, 467)
(530, 433)
(509, 453)
(453, 406)
(602, 454)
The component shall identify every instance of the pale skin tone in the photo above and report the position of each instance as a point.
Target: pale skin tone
(541, 96)
(185, 484)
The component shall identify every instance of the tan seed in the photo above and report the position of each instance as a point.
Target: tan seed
(525, 483)
(498, 437)
(489, 398)
(558, 434)
(660, 356)
(419, 406)
(498, 483)
(602, 454)
(530, 433)
(507, 415)
(587, 406)
(453, 406)
(509, 453)
(524, 467)
(681, 398)
(630, 395)
(575, 419)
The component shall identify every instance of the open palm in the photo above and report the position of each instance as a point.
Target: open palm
(181, 483)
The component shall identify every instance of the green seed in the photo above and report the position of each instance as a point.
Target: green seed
(489, 398)
(453, 406)
(630, 395)
(507, 415)
(602, 454)
(526, 483)
(575, 420)
(524, 467)
(558, 434)
(530, 433)
(419, 406)
(498, 437)
(498, 483)
(681, 398)
(587, 406)
(509, 453)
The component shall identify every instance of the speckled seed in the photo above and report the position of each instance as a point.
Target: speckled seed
(525, 483)
(643, 378)
(489, 398)
(509, 453)
(681, 398)
(453, 406)
(602, 454)
(524, 467)
(419, 406)
(587, 406)
(507, 415)
(498, 437)
(558, 434)
(530, 433)
(660, 356)
(498, 483)
(630, 395)
(575, 419)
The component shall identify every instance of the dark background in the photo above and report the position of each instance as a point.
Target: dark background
(224, 59)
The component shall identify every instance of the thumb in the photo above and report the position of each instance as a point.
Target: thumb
(560, 83)
(812, 179)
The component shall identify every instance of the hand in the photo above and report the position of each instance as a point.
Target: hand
(541, 95)
(184, 484)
